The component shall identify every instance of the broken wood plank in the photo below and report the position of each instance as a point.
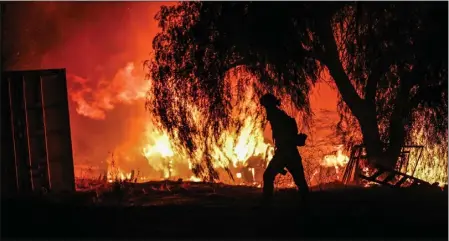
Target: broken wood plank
(375, 180)
(377, 174)
(390, 177)
(400, 182)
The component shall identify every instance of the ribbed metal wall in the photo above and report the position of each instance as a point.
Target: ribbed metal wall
(39, 155)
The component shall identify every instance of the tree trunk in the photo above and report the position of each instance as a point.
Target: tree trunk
(397, 130)
(371, 138)
(375, 148)
(364, 111)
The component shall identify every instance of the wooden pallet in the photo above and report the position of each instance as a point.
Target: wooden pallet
(353, 167)
(393, 178)
(381, 175)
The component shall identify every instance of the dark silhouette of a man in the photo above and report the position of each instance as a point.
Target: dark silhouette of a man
(286, 155)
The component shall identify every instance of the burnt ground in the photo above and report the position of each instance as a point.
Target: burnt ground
(217, 211)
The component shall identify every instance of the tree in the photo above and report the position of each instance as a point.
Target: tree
(388, 62)
(396, 57)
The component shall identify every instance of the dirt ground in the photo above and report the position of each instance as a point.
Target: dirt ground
(213, 211)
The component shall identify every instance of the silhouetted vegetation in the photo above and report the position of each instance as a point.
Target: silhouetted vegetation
(387, 60)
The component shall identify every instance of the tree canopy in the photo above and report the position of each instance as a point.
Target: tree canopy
(388, 62)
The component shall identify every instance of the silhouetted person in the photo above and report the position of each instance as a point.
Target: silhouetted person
(286, 155)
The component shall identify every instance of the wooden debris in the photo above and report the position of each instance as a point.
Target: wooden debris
(381, 175)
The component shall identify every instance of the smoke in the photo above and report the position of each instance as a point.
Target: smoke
(102, 46)
(127, 86)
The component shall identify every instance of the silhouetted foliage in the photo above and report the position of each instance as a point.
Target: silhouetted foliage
(388, 61)
(396, 57)
(199, 45)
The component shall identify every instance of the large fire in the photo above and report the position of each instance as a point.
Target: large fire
(243, 149)
(240, 151)
(234, 149)
(114, 137)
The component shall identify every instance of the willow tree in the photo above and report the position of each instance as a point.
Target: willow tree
(388, 62)
(396, 58)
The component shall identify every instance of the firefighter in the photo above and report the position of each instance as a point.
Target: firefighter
(286, 155)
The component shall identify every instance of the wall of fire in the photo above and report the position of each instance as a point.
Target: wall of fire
(36, 152)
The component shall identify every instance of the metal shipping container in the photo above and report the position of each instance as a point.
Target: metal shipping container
(36, 140)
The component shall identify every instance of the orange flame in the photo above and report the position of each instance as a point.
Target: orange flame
(337, 160)
(168, 159)
(128, 86)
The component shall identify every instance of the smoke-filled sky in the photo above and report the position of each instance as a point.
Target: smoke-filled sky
(84, 37)
(94, 42)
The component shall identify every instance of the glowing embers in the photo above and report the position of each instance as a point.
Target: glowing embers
(337, 160)
(330, 167)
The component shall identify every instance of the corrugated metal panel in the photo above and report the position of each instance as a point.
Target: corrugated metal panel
(41, 130)
(57, 122)
(20, 133)
(8, 166)
(36, 132)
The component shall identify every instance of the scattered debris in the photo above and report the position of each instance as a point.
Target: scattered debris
(358, 167)
(393, 178)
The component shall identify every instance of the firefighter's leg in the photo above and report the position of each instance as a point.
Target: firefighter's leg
(296, 168)
(269, 175)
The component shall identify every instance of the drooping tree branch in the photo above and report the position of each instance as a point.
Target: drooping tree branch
(368, 48)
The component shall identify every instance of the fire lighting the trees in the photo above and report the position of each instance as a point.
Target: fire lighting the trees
(245, 151)
(133, 138)
(241, 151)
